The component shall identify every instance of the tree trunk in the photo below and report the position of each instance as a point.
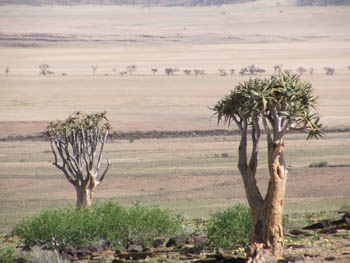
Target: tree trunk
(84, 196)
(274, 200)
(267, 215)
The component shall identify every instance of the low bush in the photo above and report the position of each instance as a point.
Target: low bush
(109, 222)
(57, 229)
(7, 254)
(318, 165)
(345, 207)
(230, 228)
(140, 225)
(225, 155)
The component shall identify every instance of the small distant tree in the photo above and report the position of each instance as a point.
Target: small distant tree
(277, 105)
(187, 72)
(287, 71)
(232, 71)
(222, 72)
(44, 69)
(329, 71)
(154, 70)
(311, 71)
(260, 71)
(301, 70)
(122, 73)
(252, 69)
(349, 67)
(77, 144)
(7, 70)
(131, 68)
(243, 71)
(114, 70)
(277, 68)
(169, 71)
(198, 72)
(94, 68)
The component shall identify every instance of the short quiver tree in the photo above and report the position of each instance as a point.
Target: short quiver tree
(276, 105)
(77, 145)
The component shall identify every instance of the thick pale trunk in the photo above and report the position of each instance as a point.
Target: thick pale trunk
(85, 196)
(274, 201)
(267, 218)
(267, 229)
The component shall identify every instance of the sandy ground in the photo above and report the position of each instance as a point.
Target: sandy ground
(71, 39)
(181, 173)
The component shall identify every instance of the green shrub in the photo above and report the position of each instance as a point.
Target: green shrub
(345, 207)
(57, 229)
(108, 222)
(225, 155)
(146, 223)
(230, 228)
(7, 254)
(137, 225)
(318, 165)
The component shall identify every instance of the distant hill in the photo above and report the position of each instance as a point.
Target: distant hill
(124, 2)
(322, 2)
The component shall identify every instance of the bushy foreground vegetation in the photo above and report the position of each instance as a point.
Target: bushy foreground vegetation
(108, 223)
(112, 225)
(230, 228)
(115, 226)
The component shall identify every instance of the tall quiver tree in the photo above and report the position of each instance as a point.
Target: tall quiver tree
(77, 145)
(276, 105)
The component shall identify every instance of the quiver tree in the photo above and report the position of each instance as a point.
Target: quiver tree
(301, 70)
(276, 106)
(169, 71)
(222, 72)
(94, 68)
(77, 145)
(187, 72)
(131, 68)
(7, 70)
(277, 68)
(44, 68)
(329, 71)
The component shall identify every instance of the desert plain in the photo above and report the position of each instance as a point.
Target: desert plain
(194, 175)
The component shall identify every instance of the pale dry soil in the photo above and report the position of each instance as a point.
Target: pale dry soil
(189, 175)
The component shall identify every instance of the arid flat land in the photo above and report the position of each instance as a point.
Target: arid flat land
(190, 175)
(187, 174)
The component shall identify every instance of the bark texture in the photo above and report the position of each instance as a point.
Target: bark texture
(266, 212)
